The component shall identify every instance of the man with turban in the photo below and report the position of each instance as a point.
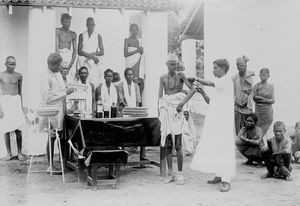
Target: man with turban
(243, 94)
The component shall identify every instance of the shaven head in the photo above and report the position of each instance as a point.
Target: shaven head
(65, 17)
(279, 124)
(65, 21)
(10, 57)
(10, 63)
(279, 130)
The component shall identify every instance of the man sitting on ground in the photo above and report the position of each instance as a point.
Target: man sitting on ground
(277, 155)
(249, 140)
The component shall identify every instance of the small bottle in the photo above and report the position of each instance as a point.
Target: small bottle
(106, 111)
(113, 112)
(99, 111)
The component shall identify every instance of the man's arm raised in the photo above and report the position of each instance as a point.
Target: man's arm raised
(205, 82)
(186, 99)
(185, 80)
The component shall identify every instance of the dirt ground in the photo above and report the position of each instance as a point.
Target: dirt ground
(144, 187)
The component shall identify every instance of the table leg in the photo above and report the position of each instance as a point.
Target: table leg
(94, 177)
(163, 161)
(81, 173)
(142, 153)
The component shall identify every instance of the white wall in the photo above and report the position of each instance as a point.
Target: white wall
(268, 33)
(13, 40)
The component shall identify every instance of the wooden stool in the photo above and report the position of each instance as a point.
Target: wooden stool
(103, 158)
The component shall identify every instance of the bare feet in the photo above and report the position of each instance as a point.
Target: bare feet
(289, 178)
(21, 157)
(224, 187)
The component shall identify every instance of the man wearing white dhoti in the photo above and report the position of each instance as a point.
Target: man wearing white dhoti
(107, 92)
(171, 84)
(53, 94)
(11, 109)
(129, 92)
(215, 152)
(133, 52)
(65, 39)
(90, 49)
(188, 135)
(87, 93)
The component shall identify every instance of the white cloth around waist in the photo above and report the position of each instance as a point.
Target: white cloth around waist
(14, 117)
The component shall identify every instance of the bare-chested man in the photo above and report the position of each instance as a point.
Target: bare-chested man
(90, 49)
(12, 118)
(65, 39)
(172, 121)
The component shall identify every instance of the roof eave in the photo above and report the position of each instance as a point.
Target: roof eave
(175, 9)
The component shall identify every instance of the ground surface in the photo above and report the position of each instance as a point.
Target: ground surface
(145, 187)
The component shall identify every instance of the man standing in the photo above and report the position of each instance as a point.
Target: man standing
(65, 39)
(243, 84)
(88, 93)
(11, 108)
(172, 121)
(90, 48)
(129, 92)
(107, 92)
(53, 93)
(133, 52)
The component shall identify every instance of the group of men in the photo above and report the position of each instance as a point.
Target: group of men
(274, 152)
(55, 92)
(85, 60)
(90, 49)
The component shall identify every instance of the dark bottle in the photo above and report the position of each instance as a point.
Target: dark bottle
(106, 111)
(113, 112)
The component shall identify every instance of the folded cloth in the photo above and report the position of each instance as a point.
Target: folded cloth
(14, 117)
(171, 121)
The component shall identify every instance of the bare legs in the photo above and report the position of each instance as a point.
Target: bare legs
(19, 145)
(178, 148)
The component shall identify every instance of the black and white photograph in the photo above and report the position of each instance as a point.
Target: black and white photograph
(150, 102)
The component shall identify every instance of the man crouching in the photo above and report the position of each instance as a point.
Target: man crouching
(277, 154)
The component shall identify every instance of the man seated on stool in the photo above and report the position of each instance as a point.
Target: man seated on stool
(87, 93)
(53, 93)
(107, 93)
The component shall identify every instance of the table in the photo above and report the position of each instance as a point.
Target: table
(86, 134)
